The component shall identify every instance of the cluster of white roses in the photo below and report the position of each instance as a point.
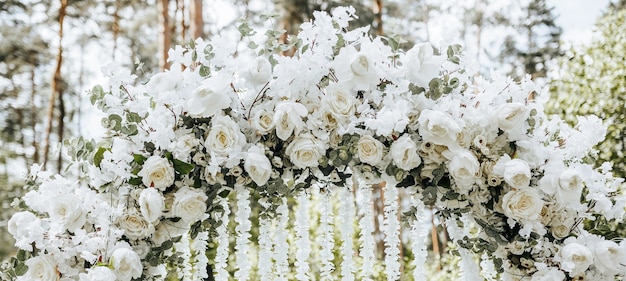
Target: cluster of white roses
(472, 148)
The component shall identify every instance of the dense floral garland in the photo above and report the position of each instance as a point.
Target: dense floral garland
(511, 185)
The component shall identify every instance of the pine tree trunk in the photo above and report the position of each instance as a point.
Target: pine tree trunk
(197, 22)
(164, 33)
(56, 85)
(33, 116)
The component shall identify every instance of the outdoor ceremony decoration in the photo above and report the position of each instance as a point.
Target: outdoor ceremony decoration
(228, 127)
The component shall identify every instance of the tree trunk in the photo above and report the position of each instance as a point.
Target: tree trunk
(378, 13)
(56, 85)
(164, 33)
(60, 129)
(33, 115)
(197, 22)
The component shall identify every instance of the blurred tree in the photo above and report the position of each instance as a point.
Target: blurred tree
(531, 55)
(592, 81)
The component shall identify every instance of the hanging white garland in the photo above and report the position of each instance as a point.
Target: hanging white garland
(242, 230)
(303, 243)
(346, 215)
(281, 247)
(199, 246)
(326, 239)
(366, 225)
(419, 238)
(487, 268)
(469, 269)
(221, 257)
(265, 263)
(391, 228)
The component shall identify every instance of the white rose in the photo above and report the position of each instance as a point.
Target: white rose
(67, 210)
(305, 151)
(609, 257)
(404, 153)
(370, 150)
(570, 186)
(126, 264)
(339, 101)
(548, 274)
(260, 70)
(189, 204)
(22, 226)
(135, 226)
(464, 169)
(438, 127)
(421, 64)
(263, 121)
(98, 273)
(575, 258)
(157, 172)
(42, 267)
(207, 100)
(257, 165)
(225, 138)
(517, 173)
(511, 115)
(288, 119)
(151, 204)
(522, 205)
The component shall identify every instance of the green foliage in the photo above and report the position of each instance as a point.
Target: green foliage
(593, 82)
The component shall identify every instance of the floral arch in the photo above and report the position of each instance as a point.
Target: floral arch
(191, 151)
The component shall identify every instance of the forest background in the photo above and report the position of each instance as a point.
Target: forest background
(53, 52)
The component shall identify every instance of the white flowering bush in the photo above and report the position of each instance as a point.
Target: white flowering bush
(346, 111)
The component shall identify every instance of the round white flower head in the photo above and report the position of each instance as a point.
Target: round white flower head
(511, 115)
(574, 257)
(42, 267)
(570, 186)
(356, 69)
(98, 273)
(260, 70)
(257, 165)
(189, 204)
(66, 209)
(548, 274)
(421, 64)
(438, 127)
(225, 138)
(517, 173)
(126, 264)
(25, 228)
(522, 205)
(404, 153)
(157, 172)
(207, 100)
(305, 151)
(288, 118)
(151, 204)
(370, 150)
(135, 226)
(609, 257)
(263, 121)
(339, 101)
(464, 169)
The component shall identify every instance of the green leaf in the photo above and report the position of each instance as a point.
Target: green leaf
(204, 71)
(135, 181)
(252, 45)
(21, 269)
(21, 255)
(182, 167)
(139, 159)
(99, 156)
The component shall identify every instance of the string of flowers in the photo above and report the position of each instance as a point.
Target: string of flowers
(420, 226)
(346, 216)
(221, 256)
(487, 268)
(302, 242)
(265, 264)
(468, 268)
(366, 225)
(184, 248)
(200, 246)
(242, 231)
(391, 229)
(325, 237)
(281, 246)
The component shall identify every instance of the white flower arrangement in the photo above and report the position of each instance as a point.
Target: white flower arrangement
(262, 125)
